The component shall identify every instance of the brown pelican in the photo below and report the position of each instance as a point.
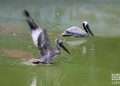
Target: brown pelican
(41, 41)
(76, 31)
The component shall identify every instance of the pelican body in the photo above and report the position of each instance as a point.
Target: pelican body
(41, 41)
(76, 31)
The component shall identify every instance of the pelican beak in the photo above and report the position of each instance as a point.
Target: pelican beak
(89, 30)
(64, 48)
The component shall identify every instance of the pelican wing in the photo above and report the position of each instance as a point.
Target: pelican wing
(30, 20)
(43, 42)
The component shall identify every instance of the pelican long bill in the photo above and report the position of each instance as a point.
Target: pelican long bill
(64, 48)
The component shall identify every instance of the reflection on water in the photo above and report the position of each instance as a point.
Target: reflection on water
(77, 42)
(84, 50)
(47, 76)
(92, 63)
(34, 81)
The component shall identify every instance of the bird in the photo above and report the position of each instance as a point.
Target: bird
(41, 40)
(76, 31)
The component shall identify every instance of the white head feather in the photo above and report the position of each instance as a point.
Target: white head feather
(85, 22)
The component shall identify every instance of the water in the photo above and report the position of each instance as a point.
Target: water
(93, 60)
(91, 63)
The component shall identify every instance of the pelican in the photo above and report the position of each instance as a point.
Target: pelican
(42, 42)
(76, 31)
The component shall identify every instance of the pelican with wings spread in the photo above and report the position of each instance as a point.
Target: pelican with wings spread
(42, 42)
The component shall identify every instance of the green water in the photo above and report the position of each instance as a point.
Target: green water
(90, 64)
(93, 65)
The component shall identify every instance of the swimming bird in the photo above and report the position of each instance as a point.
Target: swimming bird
(42, 42)
(76, 31)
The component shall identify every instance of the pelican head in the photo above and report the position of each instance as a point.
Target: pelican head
(85, 23)
(60, 44)
(87, 28)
